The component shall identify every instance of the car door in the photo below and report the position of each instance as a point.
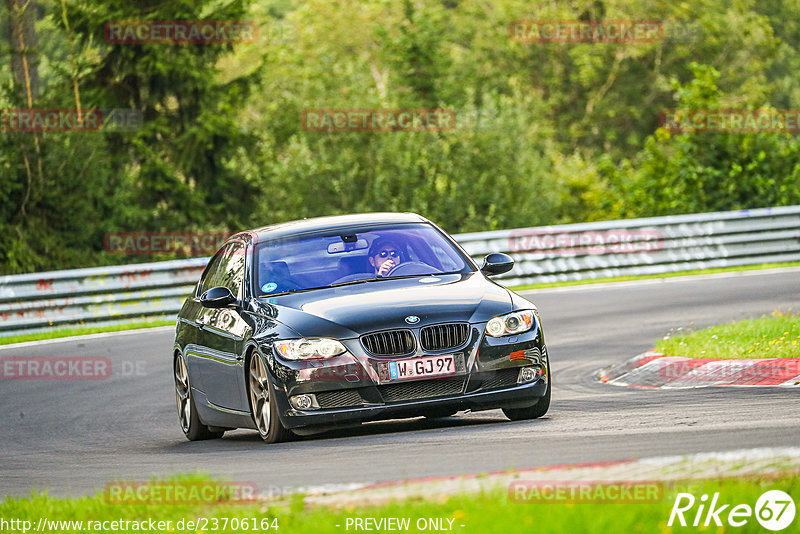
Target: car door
(223, 333)
(192, 317)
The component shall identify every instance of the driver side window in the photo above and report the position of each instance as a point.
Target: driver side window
(207, 282)
(230, 273)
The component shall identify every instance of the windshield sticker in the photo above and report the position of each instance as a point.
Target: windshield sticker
(269, 287)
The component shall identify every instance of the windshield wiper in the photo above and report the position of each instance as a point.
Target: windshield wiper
(400, 277)
(350, 282)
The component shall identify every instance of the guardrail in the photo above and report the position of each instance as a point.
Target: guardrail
(644, 246)
(149, 291)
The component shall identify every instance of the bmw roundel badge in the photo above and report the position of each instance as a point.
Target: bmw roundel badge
(412, 319)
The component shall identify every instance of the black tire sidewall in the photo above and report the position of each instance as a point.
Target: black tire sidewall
(197, 429)
(276, 432)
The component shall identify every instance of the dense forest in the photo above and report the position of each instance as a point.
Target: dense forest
(545, 132)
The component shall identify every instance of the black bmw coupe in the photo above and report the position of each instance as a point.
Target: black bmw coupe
(310, 325)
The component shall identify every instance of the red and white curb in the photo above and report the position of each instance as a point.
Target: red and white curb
(731, 464)
(655, 370)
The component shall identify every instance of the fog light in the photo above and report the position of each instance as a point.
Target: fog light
(303, 402)
(529, 374)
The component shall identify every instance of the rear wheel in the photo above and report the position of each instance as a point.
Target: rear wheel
(531, 412)
(191, 425)
(263, 410)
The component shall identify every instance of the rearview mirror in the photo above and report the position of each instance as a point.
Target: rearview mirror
(497, 263)
(347, 246)
(217, 297)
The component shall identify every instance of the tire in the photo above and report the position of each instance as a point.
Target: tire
(535, 411)
(264, 412)
(193, 428)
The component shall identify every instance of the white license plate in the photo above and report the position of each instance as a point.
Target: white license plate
(418, 367)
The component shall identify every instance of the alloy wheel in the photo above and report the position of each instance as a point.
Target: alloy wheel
(182, 396)
(259, 394)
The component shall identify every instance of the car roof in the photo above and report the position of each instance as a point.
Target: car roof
(334, 222)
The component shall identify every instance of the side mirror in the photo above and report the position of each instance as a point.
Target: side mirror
(497, 263)
(217, 297)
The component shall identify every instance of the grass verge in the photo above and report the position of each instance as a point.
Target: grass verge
(68, 332)
(774, 336)
(488, 512)
(656, 276)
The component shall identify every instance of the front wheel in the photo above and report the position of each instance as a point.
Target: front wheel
(531, 412)
(192, 427)
(262, 408)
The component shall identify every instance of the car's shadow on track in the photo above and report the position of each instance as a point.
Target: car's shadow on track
(376, 429)
(394, 426)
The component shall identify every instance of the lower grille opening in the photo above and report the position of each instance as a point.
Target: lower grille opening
(421, 389)
(504, 378)
(341, 398)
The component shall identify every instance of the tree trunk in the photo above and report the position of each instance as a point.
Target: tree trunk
(22, 38)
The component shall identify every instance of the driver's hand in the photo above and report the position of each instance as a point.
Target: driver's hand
(387, 266)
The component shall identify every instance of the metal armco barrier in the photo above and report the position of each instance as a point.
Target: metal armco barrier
(97, 296)
(643, 246)
(111, 295)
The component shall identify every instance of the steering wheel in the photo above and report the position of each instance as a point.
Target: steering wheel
(410, 267)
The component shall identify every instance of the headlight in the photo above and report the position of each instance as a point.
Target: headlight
(304, 349)
(512, 323)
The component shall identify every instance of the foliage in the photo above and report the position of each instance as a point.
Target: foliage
(546, 132)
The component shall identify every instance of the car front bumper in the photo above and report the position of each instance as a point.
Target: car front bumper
(517, 396)
(350, 388)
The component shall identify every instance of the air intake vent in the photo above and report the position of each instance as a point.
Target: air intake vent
(444, 336)
(339, 398)
(421, 389)
(390, 343)
(505, 378)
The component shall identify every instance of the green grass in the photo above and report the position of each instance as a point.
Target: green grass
(67, 332)
(776, 336)
(489, 512)
(655, 276)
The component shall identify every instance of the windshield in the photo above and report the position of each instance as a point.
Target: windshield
(353, 256)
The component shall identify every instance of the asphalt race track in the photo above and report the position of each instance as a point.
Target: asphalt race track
(74, 436)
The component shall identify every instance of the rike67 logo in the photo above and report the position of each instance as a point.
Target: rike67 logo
(774, 510)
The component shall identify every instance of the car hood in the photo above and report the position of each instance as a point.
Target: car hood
(349, 311)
